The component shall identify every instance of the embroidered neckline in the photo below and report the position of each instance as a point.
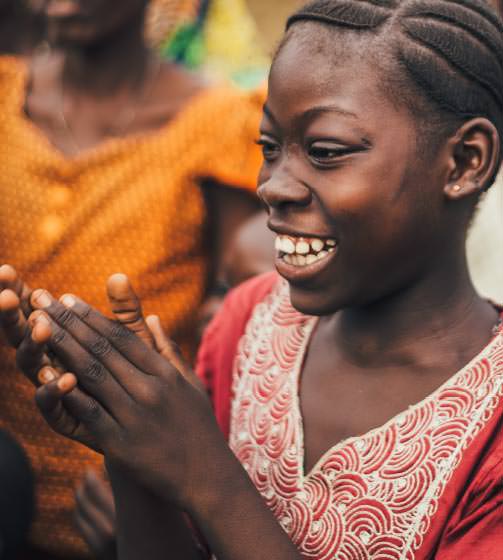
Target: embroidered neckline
(297, 372)
(369, 494)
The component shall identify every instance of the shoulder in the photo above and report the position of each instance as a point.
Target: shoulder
(218, 349)
(236, 310)
(220, 341)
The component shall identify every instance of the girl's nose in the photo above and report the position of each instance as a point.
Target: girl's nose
(283, 190)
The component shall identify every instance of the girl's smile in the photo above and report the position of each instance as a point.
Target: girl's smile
(343, 183)
(300, 258)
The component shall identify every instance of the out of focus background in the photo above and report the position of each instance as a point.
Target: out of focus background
(127, 144)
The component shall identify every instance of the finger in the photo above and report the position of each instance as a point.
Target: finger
(132, 350)
(92, 510)
(31, 356)
(170, 351)
(10, 280)
(93, 375)
(72, 413)
(91, 535)
(12, 318)
(126, 307)
(49, 399)
(100, 494)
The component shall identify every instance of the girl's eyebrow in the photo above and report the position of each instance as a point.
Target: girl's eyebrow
(268, 114)
(311, 113)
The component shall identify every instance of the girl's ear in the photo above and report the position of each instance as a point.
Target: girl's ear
(474, 156)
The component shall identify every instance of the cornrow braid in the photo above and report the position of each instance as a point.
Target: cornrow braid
(365, 14)
(450, 51)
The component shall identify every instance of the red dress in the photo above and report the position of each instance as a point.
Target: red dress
(427, 484)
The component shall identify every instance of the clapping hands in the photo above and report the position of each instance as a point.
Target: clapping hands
(126, 394)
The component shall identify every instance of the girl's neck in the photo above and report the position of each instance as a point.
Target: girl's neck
(443, 308)
(115, 64)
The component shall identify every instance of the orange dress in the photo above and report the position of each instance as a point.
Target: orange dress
(132, 205)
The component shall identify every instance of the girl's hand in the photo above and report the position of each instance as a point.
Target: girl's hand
(15, 308)
(143, 408)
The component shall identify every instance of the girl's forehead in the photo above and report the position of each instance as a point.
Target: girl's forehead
(303, 75)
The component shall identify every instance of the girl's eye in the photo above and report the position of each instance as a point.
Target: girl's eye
(327, 152)
(270, 149)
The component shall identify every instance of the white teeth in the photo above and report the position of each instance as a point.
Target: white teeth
(302, 248)
(287, 246)
(301, 251)
(317, 245)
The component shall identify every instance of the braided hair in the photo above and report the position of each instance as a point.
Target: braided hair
(449, 52)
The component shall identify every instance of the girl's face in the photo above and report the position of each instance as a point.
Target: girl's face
(86, 22)
(344, 182)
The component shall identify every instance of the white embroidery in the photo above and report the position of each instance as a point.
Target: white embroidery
(368, 497)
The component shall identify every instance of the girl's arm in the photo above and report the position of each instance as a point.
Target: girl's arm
(148, 527)
(150, 517)
(154, 422)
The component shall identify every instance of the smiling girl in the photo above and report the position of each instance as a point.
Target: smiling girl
(361, 393)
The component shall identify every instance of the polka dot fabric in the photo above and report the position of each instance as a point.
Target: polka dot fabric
(132, 205)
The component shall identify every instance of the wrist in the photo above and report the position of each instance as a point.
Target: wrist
(218, 486)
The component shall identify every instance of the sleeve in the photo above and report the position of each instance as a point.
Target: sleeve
(215, 359)
(478, 534)
(230, 122)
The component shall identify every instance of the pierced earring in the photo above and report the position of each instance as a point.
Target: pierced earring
(457, 188)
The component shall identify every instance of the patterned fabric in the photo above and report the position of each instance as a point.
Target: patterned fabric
(219, 37)
(165, 17)
(130, 205)
(422, 481)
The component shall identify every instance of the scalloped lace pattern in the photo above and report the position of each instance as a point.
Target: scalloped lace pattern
(369, 497)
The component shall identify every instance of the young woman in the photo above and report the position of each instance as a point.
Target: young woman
(365, 414)
(117, 156)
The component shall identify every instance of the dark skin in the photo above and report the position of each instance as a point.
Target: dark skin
(21, 29)
(95, 516)
(374, 359)
(103, 72)
(359, 180)
(109, 85)
(152, 521)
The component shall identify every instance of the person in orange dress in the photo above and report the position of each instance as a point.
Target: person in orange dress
(111, 158)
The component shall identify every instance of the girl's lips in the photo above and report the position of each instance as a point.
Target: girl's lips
(300, 274)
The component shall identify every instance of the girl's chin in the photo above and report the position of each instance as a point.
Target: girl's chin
(315, 303)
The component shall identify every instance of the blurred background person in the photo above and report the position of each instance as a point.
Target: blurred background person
(16, 497)
(113, 159)
(21, 28)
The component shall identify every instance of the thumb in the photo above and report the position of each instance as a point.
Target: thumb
(170, 351)
(126, 307)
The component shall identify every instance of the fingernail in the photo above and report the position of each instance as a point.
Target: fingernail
(42, 320)
(41, 297)
(65, 383)
(68, 300)
(46, 375)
